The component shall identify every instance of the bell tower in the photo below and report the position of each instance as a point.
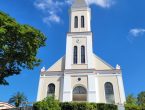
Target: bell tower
(80, 17)
(79, 52)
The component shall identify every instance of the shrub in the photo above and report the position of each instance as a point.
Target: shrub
(102, 106)
(78, 106)
(86, 106)
(48, 103)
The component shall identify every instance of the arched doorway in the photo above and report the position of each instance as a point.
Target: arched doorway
(79, 94)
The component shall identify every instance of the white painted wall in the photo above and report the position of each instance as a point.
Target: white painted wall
(86, 12)
(90, 53)
(67, 91)
(69, 52)
(39, 89)
(92, 93)
(121, 89)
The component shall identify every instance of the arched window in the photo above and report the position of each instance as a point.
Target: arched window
(75, 55)
(79, 94)
(51, 90)
(82, 54)
(82, 21)
(109, 93)
(76, 22)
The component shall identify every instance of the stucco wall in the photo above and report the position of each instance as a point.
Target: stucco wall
(45, 81)
(83, 82)
(100, 90)
(112, 79)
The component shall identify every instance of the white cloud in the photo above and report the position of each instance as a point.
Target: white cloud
(136, 32)
(101, 3)
(52, 8)
(51, 18)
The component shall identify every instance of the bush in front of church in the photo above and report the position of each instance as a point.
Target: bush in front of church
(48, 103)
(77, 106)
(87, 106)
(102, 106)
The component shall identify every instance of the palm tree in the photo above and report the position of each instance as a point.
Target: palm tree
(17, 99)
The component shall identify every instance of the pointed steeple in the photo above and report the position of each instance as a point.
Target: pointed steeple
(79, 4)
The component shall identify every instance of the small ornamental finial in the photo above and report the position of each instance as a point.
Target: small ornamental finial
(118, 67)
(43, 69)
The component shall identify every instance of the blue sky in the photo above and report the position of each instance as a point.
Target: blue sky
(118, 27)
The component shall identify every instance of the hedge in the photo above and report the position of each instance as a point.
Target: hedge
(87, 106)
(77, 106)
(50, 103)
(103, 106)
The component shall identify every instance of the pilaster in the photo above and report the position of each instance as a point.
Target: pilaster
(67, 91)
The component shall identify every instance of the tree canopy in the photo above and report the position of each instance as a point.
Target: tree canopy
(131, 100)
(141, 98)
(135, 103)
(17, 99)
(19, 45)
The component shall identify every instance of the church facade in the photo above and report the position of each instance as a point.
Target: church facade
(81, 75)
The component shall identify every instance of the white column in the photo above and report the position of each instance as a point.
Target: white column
(68, 57)
(67, 91)
(90, 53)
(40, 86)
(121, 89)
(93, 91)
(61, 88)
(97, 89)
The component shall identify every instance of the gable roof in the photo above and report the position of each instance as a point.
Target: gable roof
(59, 65)
(100, 64)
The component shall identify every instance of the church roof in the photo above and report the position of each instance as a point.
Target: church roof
(99, 64)
(79, 4)
(5, 106)
(59, 65)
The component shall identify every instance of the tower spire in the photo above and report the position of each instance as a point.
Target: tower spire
(79, 4)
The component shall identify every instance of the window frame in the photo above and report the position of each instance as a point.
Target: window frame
(82, 21)
(51, 89)
(109, 92)
(83, 59)
(76, 22)
(75, 55)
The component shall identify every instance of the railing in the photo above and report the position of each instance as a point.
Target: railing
(23, 108)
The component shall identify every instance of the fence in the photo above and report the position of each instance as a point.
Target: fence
(23, 108)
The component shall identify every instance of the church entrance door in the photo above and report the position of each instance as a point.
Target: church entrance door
(79, 94)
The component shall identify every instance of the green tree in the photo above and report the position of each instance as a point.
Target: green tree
(48, 103)
(141, 99)
(19, 45)
(17, 99)
(131, 100)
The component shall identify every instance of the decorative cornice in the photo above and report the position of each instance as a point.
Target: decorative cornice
(92, 71)
(81, 72)
(79, 33)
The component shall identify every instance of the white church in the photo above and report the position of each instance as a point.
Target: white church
(80, 75)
